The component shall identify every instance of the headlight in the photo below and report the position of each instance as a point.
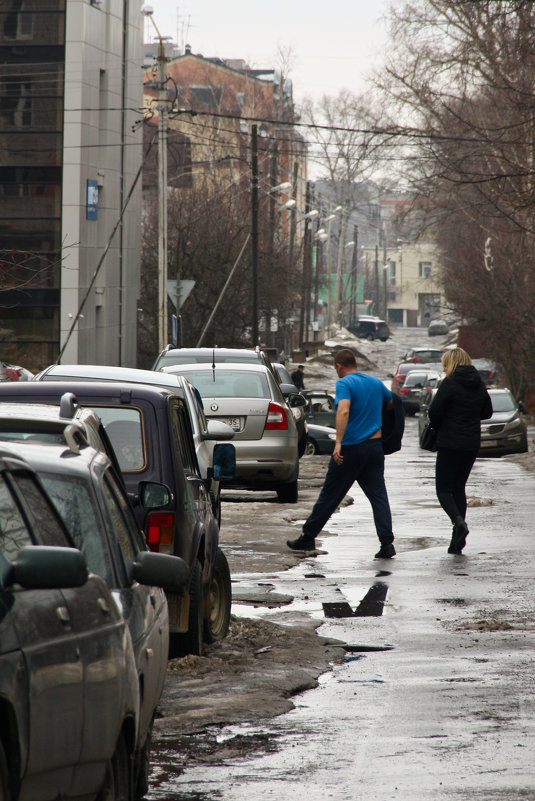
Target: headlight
(513, 424)
(332, 436)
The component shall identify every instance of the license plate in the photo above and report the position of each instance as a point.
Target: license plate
(489, 443)
(233, 422)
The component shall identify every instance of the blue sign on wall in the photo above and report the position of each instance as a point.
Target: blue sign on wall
(91, 211)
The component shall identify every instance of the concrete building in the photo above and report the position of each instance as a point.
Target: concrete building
(404, 282)
(70, 152)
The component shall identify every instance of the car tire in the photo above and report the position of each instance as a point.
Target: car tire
(118, 783)
(5, 794)
(384, 339)
(191, 641)
(288, 493)
(219, 600)
(369, 337)
(216, 506)
(143, 766)
(311, 447)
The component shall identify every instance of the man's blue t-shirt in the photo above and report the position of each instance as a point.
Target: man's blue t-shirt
(367, 396)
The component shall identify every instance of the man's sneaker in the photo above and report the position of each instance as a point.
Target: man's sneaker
(302, 543)
(386, 552)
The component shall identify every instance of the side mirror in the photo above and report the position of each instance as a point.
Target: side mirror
(160, 570)
(288, 389)
(46, 567)
(153, 495)
(521, 407)
(218, 430)
(296, 400)
(224, 462)
(390, 375)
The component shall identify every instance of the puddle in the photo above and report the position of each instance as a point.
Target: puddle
(362, 649)
(452, 601)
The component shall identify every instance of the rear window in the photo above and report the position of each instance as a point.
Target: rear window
(415, 378)
(229, 383)
(168, 359)
(124, 427)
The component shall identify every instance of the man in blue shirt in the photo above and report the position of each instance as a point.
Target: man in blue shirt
(358, 454)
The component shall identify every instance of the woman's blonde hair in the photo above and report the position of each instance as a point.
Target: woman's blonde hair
(454, 357)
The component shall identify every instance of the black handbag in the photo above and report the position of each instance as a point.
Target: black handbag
(428, 440)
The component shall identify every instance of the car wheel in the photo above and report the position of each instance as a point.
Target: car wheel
(5, 794)
(311, 447)
(191, 641)
(216, 506)
(143, 766)
(118, 784)
(287, 493)
(219, 600)
(369, 337)
(384, 339)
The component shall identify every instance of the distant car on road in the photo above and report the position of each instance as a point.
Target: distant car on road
(425, 355)
(416, 384)
(488, 370)
(437, 328)
(13, 372)
(370, 328)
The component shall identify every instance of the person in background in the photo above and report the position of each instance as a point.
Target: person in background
(297, 377)
(461, 402)
(358, 455)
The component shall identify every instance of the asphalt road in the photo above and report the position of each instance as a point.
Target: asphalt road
(429, 692)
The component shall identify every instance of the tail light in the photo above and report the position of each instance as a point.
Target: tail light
(12, 372)
(160, 531)
(277, 419)
(376, 326)
(404, 390)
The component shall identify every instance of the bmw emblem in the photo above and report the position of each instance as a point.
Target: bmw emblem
(214, 407)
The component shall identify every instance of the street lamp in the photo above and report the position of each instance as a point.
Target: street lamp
(162, 184)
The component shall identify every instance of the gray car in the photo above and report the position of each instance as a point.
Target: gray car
(248, 398)
(69, 694)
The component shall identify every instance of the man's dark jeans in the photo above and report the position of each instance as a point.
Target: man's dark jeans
(364, 463)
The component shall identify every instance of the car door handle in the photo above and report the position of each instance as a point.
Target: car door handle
(63, 614)
(104, 606)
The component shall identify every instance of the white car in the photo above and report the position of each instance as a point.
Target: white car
(248, 398)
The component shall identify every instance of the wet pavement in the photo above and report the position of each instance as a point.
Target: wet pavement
(434, 697)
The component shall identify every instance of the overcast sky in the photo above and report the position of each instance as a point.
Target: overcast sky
(334, 43)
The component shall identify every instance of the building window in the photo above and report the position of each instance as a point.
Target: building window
(392, 273)
(424, 269)
(18, 22)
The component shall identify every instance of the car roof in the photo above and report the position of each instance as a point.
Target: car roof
(226, 366)
(55, 458)
(101, 372)
(116, 389)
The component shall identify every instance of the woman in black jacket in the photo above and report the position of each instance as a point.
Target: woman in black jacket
(461, 402)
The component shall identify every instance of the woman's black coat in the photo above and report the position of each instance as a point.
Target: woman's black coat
(459, 405)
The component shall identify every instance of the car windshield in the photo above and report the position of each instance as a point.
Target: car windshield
(125, 430)
(503, 403)
(229, 383)
(76, 504)
(415, 378)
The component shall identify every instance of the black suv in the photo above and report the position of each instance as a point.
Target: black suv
(150, 430)
(370, 328)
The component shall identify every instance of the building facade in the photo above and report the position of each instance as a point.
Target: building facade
(70, 97)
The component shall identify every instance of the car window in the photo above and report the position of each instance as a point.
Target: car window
(45, 523)
(229, 383)
(14, 533)
(74, 499)
(118, 510)
(124, 427)
(183, 437)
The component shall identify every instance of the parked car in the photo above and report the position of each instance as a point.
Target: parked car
(205, 433)
(298, 411)
(437, 328)
(82, 485)
(249, 399)
(319, 408)
(170, 356)
(416, 384)
(69, 693)
(398, 378)
(506, 431)
(425, 355)
(150, 430)
(321, 439)
(488, 371)
(503, 433)
(370, 328)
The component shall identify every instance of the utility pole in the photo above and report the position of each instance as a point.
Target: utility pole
(254, 230)
(354, 282)
(339, 267)
(377, 296)
(162, 195)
